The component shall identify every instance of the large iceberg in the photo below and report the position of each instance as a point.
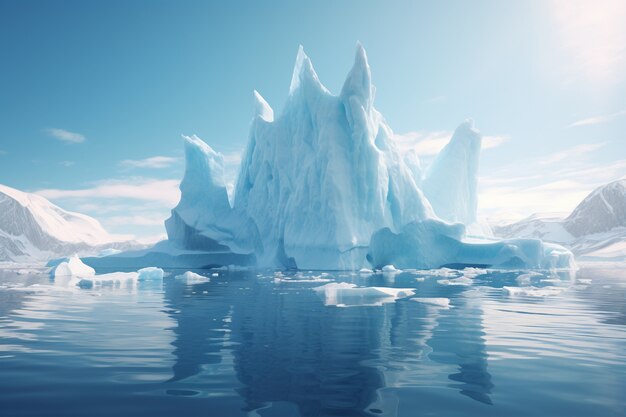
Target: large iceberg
(324, 186)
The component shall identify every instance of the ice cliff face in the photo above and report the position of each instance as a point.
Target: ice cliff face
(317, 182)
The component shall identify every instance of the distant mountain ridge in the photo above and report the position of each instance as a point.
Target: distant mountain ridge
(34, 229)
(602, 210)
(595, 229)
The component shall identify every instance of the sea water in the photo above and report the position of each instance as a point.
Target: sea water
(267, 343)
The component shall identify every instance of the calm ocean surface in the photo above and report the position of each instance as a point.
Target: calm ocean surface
(258, 344)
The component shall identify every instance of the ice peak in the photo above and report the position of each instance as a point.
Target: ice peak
(468, 127)
(303, 73)
(194, 142)
(262, 109)
(359, 80)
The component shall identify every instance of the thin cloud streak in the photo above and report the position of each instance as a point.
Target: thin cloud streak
(577, 151)
(155, 162)
(427, 144)
(599, 119)
(164, 192)
(65, 135)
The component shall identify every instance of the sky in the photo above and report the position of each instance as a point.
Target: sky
(94, 96)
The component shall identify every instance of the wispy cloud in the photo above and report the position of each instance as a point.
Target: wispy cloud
(431, 143)
(131, 206)
(165, 192)
(66, 164)
(152, 162)
(142, 219)
(515, 202)
(556, 183)
(65, 135)
(574, 152)
(599, 119)
(2, 152)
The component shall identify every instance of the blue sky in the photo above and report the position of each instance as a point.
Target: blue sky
(95, 95)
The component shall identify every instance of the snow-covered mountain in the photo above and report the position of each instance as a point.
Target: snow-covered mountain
(34, 229)
(595, 230)
(324, 186)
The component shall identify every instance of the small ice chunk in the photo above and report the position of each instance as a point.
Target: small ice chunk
(532, 291)
(346, 294)
(192, 278)
(435, 301)
(473, 272)
(456, 281)
(72, 266)
(390, 268)
(150, 273)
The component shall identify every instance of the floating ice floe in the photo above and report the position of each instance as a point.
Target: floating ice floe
(390, 268)
(455, 281)
(343, 294)
(192, 278)
(532, 291)
(119, 278)
(150, 273)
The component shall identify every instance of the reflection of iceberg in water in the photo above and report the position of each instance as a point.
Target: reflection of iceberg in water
(290, 350)
(200, 330)
(459, 340)
(293, 349)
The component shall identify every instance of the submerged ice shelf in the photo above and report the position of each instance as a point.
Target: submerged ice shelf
(324, 186)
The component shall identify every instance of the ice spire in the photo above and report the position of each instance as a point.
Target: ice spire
(451, 181)
(303, 73)
(358, 83)
(262, 109)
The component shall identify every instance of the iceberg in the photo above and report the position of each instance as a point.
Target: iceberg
(323, 185)
(150, 274)
(433, 243)
(71, 266)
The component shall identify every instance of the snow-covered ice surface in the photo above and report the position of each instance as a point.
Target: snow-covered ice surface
(324, 186)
